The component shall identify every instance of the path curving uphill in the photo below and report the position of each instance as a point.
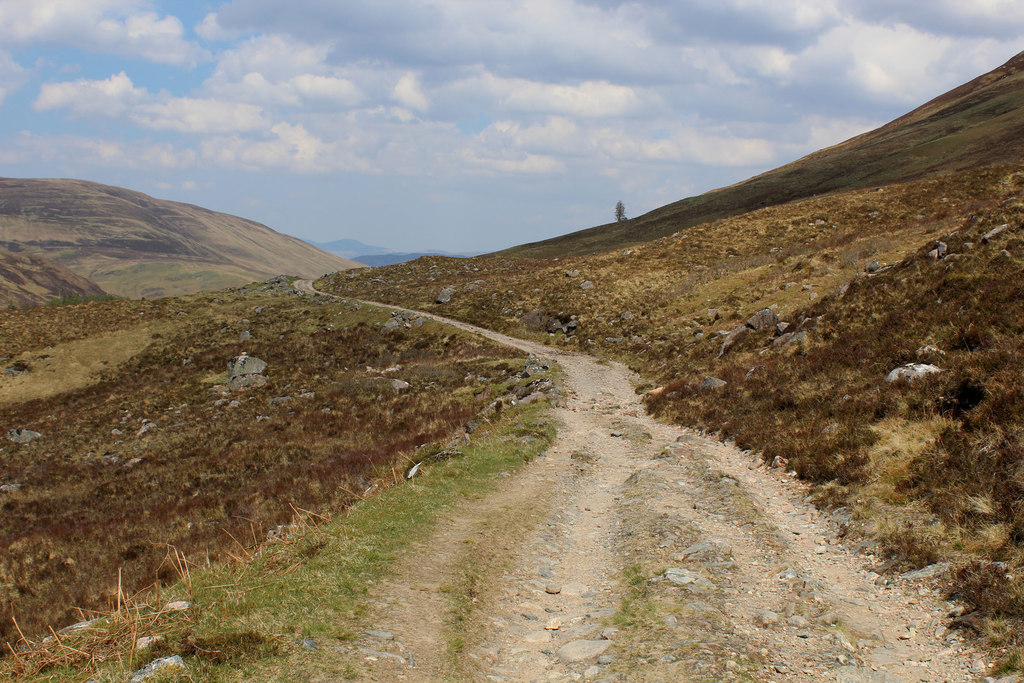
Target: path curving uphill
(639, 551)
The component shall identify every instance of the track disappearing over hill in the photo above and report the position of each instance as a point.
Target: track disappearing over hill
(642, 551)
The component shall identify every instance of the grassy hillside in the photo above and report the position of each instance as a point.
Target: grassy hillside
(980, 123)
(146, 454)
(931, 468)
(136, 246)
(27, 279)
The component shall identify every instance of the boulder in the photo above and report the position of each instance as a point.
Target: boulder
(762, 320)
(911, 372)
(244, 365)
(445, 295)
(246, 381)
(993, 233)
(22, 435)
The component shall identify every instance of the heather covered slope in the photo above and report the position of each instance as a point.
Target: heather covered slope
(864, 281)
(977, 124)
(133, 245)
(27, 279)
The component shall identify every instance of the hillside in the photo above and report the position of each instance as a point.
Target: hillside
(27, 279)
(799, 313)
(136, 246)
(979, 123)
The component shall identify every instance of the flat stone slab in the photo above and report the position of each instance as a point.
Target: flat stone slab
(582, 650)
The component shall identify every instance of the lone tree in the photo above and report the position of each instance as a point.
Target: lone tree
(620, 211)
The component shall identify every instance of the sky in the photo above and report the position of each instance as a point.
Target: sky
(463, 125)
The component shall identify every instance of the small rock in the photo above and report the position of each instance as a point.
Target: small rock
(582, 650)
(147, 641)
(586, 284)
(22, 435)
(381, 634)
(553, 624)
(711, 383)
(308, 644)
(993, 233)
(911, 372)
(9, 488)
(146, 428)
(929, 572)
(177, 606)
(159, 666)
(552, 589)
(572, 273)
(245, 335)
(445, 295)
(762, 320)
(766, 618)
(872, 266)
(605, 660)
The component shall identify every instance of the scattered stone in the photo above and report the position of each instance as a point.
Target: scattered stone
(713, 314)
(278, 400)
(146, 428)
(582, 650)
(445, 295)
(9, 488)
(780, 328)
(993, 233)
(381, 634)
(309, 644)
(399, 385)
(626, 316)
(762, 320)
(856, 674)
(684, 577)
(705, 551)
(711, 384)
(766, 618)
(872, 266)
(552, 589)
(911, 372)
(732, 337)
(147, 642)
(586, 284)
(22, 435)
(938, 252)
(605, 660)
(177, 606)
(162, 665)
(572, 273)
(245, 335)
(930, 572)
(553, 624)
(245, 365)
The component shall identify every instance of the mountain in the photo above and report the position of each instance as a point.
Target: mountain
(378, 256)
(977, 124)
(27, 279)
(134, 245)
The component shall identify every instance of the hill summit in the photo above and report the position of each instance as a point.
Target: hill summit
(134, 245)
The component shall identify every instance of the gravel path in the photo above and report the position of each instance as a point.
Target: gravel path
(636, 550)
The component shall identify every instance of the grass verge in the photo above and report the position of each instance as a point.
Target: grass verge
(248, 620)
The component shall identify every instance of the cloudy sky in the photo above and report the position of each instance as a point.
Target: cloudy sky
(463, 125)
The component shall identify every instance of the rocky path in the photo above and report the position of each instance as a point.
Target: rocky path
(640, 551)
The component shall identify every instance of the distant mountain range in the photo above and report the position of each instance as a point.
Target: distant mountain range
(371, 255)
(976, 124)
(130, 244)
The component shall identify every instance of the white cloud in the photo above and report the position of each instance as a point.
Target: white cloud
(109, 97)
(12, 76)
(82, 151)
(210, 29)
(120, 27)
(199, 115)
(525, 163)
(288, 146)
(409, 93)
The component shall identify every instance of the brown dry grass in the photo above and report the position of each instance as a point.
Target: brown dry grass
(940, 459)
(98, 498)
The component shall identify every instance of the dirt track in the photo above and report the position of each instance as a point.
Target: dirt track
(758, 586)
